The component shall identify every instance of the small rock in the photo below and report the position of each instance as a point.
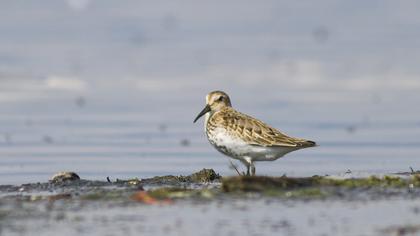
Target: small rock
(64, 177)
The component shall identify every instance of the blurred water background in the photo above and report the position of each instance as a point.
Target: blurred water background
(110, 88)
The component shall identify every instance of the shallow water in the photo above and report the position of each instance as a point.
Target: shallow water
(97, 143)
(239, 217)
(107, 90)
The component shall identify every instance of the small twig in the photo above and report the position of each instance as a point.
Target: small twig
(412, 171)
(234, 167)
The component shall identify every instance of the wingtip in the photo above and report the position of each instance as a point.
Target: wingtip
(312, 143)
(309, 143)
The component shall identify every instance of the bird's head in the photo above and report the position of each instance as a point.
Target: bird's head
(215, 101)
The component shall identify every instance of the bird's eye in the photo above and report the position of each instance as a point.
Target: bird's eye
(221, 98)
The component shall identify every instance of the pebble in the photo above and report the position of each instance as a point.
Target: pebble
(64, 176)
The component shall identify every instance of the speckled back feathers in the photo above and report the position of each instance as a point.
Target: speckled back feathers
(252, 131)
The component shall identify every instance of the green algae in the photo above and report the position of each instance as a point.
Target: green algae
(179, 193)
(106, 195)
(170, 192)
(312, 193)
(202, 176)
(195, 186)
(284, 187)
(270, 184)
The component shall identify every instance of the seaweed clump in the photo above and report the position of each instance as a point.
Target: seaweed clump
(264, 183)
(202, 176)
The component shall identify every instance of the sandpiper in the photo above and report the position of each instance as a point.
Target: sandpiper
(243, 137)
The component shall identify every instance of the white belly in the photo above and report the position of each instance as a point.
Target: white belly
(238, 149)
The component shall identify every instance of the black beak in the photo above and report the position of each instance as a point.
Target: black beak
(204, 111)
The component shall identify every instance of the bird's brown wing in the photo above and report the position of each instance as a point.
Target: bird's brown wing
(254, 131)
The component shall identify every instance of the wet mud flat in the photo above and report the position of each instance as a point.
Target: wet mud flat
(209, 204)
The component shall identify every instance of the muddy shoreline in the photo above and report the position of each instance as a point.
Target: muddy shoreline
(400, 184)
(23, 208)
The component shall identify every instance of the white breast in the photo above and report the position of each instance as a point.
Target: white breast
(237, 148)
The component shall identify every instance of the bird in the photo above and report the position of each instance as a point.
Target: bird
(243, 137)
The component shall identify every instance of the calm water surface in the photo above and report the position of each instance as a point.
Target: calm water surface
(107, 88)
(139, 141)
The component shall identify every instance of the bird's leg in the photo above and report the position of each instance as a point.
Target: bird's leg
(252, 169)
(247, 170)
(248, 163)
(234, 167)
